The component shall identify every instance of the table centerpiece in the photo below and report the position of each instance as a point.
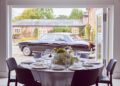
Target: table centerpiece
(64, 56)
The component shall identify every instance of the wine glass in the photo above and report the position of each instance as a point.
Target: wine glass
(48, 52)
(37, 56)
(67, 63)
(77, 54)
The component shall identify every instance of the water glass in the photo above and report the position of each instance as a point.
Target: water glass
(37, 56)
(77, 54)
(67, 63)
(47, 51)
(48, 63)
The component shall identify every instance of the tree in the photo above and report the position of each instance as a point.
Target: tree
(35, 33)
(88, 10)
(62, 17)
(81, 31)
(36, 13)
(48, 12)
(25, 33)
(93, 34)
(61, 29)
(76, 14)
(87, 31)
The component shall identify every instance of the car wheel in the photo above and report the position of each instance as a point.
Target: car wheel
(27, 51)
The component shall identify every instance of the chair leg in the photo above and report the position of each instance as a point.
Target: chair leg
(96, 84)
(107, 84)
(8, 82)
(111, 84)
(8, 78)
(15, 83)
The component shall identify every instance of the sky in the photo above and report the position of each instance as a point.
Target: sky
(56, 11)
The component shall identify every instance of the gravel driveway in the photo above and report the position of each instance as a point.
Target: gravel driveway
(18, 55)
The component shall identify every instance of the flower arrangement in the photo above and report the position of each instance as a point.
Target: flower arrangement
(64, 56)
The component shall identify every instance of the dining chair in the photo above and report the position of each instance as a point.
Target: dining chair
(12, 65)
(24, 76)
(85, 77)
(108, 77)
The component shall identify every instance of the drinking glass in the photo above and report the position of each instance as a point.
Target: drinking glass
(77, 54)
(47, 51)
(67, 63)
(37, 56)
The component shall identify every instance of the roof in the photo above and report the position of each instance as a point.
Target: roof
(62, 33)
(49, 22)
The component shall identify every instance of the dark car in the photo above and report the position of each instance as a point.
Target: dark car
(54, 40)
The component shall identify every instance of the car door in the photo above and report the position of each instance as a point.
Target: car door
(43, 43)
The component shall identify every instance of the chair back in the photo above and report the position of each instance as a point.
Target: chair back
(85, 77)
(24, 76)
(111, 66)
(11, 63)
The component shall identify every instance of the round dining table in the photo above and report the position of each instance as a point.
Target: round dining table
(52, 77)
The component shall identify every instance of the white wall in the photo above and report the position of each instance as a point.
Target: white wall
(3, 38)
(59, 3)
(116, 37)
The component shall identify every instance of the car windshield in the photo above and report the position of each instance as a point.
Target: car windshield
(75, 37)
(47, 37)
(59, 37)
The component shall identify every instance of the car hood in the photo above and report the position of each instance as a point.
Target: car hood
(39, 41)
(81, 42)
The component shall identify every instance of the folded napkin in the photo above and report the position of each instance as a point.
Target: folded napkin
(27, 62)
(58, 67)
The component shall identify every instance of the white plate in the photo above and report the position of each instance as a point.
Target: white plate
(75, 68)
(38, 65)
(88, 65)
(58, 67)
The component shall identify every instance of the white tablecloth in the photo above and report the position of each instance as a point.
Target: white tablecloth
(49, 77)
(53, 78)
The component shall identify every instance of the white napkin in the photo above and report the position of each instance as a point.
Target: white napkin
(38, 65)
(58, 67)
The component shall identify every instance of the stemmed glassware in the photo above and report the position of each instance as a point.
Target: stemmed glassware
(37, 56)
(48, 59)
(67, 64)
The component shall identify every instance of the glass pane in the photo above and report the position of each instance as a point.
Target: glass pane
(99, 19)
(52, 26)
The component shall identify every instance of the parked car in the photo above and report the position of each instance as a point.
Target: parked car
(55, 40)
